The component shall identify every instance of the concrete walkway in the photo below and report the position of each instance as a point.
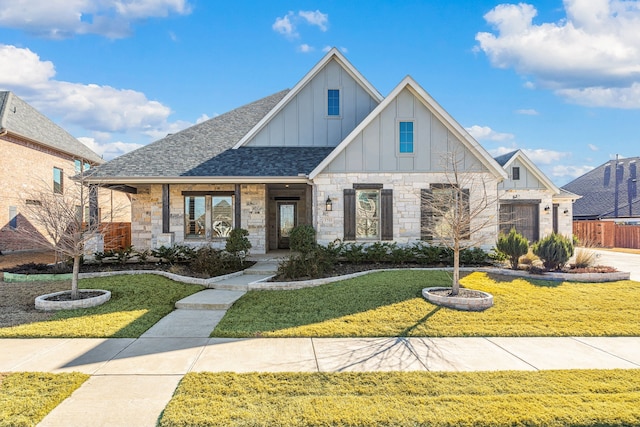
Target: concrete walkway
(132, 380)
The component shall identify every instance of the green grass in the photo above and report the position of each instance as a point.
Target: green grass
(549, 398)
(391, 304)
(137, 303)
(27, 397)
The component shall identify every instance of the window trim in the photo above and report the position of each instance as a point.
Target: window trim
(399, 121)
(326, 103)
(515, 173)
(208, 207)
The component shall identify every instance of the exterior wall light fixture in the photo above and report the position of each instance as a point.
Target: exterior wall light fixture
(547, 208)
(328, 205)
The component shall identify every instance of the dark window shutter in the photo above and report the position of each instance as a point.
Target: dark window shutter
(386, 214)
(349, 214)
(426, 214)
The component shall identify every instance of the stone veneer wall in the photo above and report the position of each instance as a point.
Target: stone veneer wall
(147, 214)
(406, 203)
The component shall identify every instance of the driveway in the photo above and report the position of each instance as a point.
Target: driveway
(621, 261)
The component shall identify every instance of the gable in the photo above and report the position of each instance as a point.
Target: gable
(374, 144)
(527, 180)
(303, 121)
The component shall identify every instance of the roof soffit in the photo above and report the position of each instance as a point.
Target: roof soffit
(331, 55)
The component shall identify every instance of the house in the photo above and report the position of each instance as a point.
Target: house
(331, 152)
(609, 192)
(530, 202)
(37, 154)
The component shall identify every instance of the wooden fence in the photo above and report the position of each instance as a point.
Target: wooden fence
(117, 235)
(607, 234)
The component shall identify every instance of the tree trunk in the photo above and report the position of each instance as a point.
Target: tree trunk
(455, 287)
(74, 278)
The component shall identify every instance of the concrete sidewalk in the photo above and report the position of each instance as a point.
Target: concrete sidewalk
(133, 379)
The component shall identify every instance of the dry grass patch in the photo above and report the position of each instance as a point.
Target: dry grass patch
(390, 304)
(27, 397)
(550, 398)
(137, 303)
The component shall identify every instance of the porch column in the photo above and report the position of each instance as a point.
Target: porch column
(165, 208)
(93, 206)
(237, 207)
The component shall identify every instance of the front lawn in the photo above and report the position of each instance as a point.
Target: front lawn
(27, 397)
(549, 398)
(390, 304)
(137, 303)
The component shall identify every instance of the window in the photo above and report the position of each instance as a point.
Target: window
(368, 212)
(78, 166)
(208, 215)
(406, 137)
(444, 209)
(58, 180)
(221, 216)
(515, 173)
(333, 102)
(195, 216)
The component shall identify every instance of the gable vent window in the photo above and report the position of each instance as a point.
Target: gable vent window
(515, 173)
(406, 137)
(333, 102)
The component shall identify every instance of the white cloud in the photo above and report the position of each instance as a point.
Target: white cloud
(108, 150)
(100, 110)
(561, 171)
(316, 18)
(486, 133)
(591, 57)
(65, 18)
(202, 118)
(542, 156)
(305, 48)
(528, 112)
(592, 147)
(284, 26)
(288, 24)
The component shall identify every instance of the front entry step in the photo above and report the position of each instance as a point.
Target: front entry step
(262, 268)
(210, 299)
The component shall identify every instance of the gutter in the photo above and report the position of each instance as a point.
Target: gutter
(201, 180)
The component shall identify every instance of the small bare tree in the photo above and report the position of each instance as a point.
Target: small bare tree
(61, 221)
(461, 211)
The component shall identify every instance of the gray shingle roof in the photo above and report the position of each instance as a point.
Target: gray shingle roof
(598, 188)
(183, 152)
(18, 117)
(504, 159)
(262, 161)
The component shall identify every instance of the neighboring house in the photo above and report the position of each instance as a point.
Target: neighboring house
(331, 152)
(530, 202)
(609, 192)
(38, 154)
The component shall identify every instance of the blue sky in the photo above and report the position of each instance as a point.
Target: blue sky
(559, 79)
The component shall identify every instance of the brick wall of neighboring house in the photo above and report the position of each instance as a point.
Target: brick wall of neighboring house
(26, 169)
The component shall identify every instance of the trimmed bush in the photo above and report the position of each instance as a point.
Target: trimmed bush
(513, 245)
(303, 239)
(554, 251)
(238, 244)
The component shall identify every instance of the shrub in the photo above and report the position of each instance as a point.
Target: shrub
(426, 254)
(513, 245)
(173, 254)
(303, 239)
(354, 252)
(584, 258)
(554, 251)
(473, 256)
(210, 262)
(238, 244)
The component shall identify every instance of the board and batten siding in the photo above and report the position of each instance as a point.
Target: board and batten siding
(527, 179)
(303, 122)
(376, 147)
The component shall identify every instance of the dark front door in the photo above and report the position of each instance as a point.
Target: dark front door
(287, 219)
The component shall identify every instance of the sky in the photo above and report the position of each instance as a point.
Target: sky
(557, 79)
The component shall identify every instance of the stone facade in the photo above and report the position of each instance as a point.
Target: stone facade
(406, 203)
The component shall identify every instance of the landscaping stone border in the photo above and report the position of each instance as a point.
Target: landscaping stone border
(459, 302)
(42, 302)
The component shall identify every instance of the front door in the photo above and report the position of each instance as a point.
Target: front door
(287, 219)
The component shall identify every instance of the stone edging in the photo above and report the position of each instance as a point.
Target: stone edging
(42, 302)
(459, 302)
